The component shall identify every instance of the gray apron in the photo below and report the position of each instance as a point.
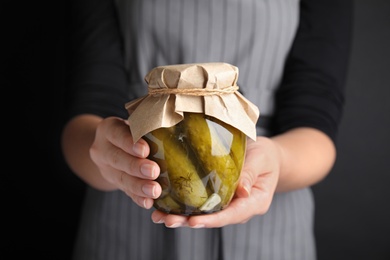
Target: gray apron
(255, 36)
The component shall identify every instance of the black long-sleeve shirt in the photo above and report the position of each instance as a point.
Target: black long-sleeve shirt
(292, 56)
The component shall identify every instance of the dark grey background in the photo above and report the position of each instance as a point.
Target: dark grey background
(41, 198)
(353, 202)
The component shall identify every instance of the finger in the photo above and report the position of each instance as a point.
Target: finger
(120, 160)
(158, 216)
(170, 220)
(120, 136)
(139, 187)
(244, 186)
(234, 214)
(142, 192)
(252, 168)
(237, 212)
(126, 157)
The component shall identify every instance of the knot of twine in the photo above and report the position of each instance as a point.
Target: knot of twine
(193, 91)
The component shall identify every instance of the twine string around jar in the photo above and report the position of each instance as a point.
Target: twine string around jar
(193, 91)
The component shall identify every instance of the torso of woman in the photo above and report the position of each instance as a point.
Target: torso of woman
(255, 36)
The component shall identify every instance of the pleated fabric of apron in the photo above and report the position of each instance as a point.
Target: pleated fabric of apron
(255, 36)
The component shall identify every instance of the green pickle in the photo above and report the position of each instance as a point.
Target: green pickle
(200, 160)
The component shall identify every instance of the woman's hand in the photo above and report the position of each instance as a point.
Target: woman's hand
(102, 153)
(123, 163)
(256, 188)
(293, 160)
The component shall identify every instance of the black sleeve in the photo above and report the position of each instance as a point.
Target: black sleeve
(98, 77)
(312, 92)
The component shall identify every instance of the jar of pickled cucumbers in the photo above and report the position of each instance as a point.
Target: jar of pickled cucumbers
(196, 123)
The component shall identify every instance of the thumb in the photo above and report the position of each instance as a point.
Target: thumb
(245, 184)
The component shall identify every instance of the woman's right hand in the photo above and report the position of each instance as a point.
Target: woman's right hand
(102, 153)
(123, 163)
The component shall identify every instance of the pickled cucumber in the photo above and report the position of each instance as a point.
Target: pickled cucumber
(213, 154)
(186, 185)
(200, 160)
(238, 147)
(167, 204)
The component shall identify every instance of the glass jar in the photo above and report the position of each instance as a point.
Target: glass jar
(200, 159)
(196, 123)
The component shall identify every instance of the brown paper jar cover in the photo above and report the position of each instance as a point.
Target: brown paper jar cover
(199, 137)
(209, 88)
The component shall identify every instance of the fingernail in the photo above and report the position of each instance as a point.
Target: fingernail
(199, 226)
(149, 190)
(148, 170)
(160, 221)
(145, 204)
(247, 186)
(139, 149)
(175, 225)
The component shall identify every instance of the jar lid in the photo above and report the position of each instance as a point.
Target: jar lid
(209, 88)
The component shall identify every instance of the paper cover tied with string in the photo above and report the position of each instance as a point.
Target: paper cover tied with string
(196, 124)
(209, 88)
